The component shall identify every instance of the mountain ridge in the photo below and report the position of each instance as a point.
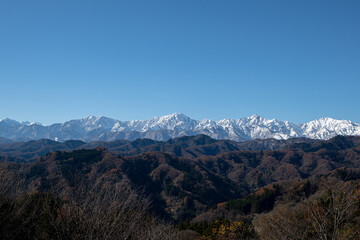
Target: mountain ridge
(162, 128)
(185, 146)
(182, 186)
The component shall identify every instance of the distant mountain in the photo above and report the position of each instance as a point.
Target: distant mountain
(34, 149)
(5, 141)
(175, 125)
(186, 146)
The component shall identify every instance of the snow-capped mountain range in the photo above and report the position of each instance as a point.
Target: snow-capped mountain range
(102, 128)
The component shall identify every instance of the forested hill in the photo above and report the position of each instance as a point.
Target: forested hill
(181, 187)
(187, 146)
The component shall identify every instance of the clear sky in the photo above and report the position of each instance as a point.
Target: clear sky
(290, 60)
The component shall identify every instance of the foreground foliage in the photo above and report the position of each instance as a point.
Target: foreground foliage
(331, 213)
(87, 211)
(221, 229)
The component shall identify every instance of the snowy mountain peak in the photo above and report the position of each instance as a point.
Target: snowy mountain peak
(176, 117)
(94, 128)
(325, 128)
(257, 119)
(90, 117)
(35, 123)
(255, 116)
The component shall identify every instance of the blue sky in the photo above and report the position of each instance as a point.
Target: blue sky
(290, 60)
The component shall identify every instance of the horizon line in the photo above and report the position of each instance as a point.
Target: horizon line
(168, 115)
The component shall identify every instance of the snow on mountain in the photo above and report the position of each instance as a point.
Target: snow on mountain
(176, 121)
(174, 125)
(325, 128)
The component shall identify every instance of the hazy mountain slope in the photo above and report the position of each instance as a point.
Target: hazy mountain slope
(186, 146)
(5, 140)
(32, 150)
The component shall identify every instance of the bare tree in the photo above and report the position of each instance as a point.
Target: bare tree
(336, 214)
(10, 181)
(88, 208)
(109, 211)
(332, 213)
(285, 222)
